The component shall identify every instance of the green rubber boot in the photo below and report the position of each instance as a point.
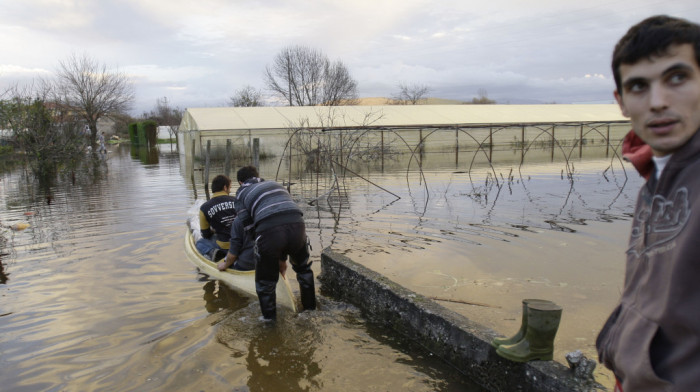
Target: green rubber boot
(542, 324)
(523, 326)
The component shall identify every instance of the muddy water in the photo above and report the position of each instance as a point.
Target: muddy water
(481, 241)
(100, 295)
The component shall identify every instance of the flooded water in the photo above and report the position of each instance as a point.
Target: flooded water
(478, 238)
(99, 294)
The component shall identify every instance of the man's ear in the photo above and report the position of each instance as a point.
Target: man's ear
(620, 102)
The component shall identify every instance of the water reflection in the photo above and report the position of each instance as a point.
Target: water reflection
(288, 366)
(218, 296)
(147, 155)
(99, 295)
(309, 353)
(542, 197)
(3, 275)
(494, 234)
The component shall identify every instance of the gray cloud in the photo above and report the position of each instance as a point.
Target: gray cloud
(198, 54)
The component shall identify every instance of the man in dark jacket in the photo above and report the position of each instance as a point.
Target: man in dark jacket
(652, 339)
(215, 218)
(242, 247)
(268, 209)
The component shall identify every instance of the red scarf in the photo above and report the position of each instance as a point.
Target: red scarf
(618, 386)
(635, 151)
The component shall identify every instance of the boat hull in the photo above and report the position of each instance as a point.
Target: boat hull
(241, 281)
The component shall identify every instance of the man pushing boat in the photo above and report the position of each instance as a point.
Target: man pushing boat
(267, 208)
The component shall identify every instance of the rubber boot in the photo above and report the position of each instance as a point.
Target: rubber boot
(542, 324)
(305, 277)
(523, 325)
(268, 298)
(307, 290)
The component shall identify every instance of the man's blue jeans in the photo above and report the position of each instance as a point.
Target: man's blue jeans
(206, 246)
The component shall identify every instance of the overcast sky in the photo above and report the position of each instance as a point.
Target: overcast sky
(198, 53)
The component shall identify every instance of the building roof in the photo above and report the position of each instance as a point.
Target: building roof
(393, 116)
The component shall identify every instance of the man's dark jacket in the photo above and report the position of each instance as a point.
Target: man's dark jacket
(652, 339)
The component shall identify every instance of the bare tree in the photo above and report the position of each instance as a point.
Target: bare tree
(166, 115)
(483, 98)
(93, 90)
(303, 76)
(339, 87)
(411, 94)
(311, 136)
(246, 97)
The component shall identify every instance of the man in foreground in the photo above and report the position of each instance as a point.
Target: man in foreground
(652, 339)
(215, 218)
(268, 209)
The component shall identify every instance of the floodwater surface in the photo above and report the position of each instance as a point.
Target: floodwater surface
(480, 238)
(100, 295)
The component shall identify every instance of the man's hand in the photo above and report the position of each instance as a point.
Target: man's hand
(227, 262)
(283, 267)
(222, 265)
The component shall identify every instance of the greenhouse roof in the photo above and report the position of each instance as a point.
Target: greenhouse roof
(393, 116)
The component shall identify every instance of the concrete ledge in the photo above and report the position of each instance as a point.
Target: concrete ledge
(449, 335)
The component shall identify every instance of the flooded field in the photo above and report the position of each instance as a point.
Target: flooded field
(479, 241)
(100, 296)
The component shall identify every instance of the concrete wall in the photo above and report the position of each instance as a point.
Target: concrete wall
(450, 336)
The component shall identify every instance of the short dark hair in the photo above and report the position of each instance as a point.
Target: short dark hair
(219, 183)
(246, 172)
(652, 37)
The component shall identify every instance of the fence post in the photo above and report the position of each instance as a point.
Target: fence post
(289, 182)
(227, 159)
(206, 169)
(318, 163)
(522, 144)
(194, 184)
(420, 142)
(553, 126)
(256, 152)
(382, 148)
(340, 151)
(456, 147)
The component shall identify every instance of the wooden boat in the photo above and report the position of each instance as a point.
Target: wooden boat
(241, 281)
